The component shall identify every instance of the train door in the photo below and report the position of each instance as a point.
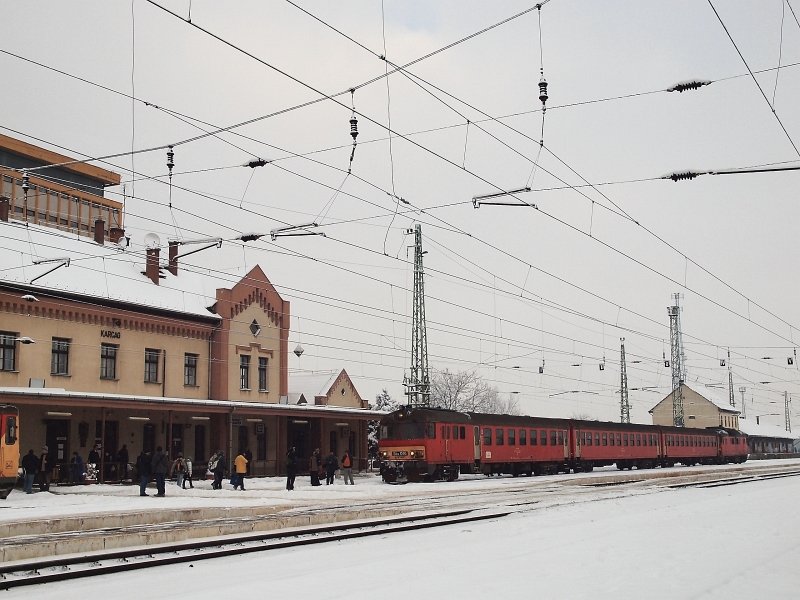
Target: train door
(176, 440)
(476, 436)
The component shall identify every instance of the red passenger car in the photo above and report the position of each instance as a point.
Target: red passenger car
(597, 444)
(689, 446)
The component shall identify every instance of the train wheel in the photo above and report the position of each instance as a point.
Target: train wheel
(588, 467)
(5, 491)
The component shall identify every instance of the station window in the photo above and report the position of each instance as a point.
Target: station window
(543, 437)
(487, 437)
(512, 435)
(498, 434)
(263, 374)
(244, 372)
(523, 439)
(59, 357)
(108, 361)
(190, 369)
(8, 351)
(553, 438)
(151, 359)
(534, 437)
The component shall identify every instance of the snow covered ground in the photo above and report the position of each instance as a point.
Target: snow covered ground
(739, 541)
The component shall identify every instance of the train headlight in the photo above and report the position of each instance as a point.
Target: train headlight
(384, 454)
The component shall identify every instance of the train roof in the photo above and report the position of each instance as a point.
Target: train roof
(420, 414)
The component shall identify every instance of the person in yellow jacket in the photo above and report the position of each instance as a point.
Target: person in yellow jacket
(240, 465)
(347, 468)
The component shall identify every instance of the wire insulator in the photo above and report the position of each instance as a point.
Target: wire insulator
(687, 85)
(354, 127)
(170, 160)
(682, 176)
(543, 90)
(26, 182)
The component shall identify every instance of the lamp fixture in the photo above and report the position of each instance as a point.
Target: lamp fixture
(342, 424)
(134, 418)
(299, 421)
(201, 418)
(255, 420)
(53, 413)
(25, 340)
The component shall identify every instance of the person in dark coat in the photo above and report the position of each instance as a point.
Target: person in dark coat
(31, 465)
(122, 461)
(144, 468)
(331, 464)
(249, 456)
(291, 468)
(160, 468)
(44, 470)
(76, 468)
(315, 467)
(218, 469)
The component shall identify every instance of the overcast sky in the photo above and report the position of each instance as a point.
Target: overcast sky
(508, 288)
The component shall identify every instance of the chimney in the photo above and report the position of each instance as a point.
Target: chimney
(100, 231)
(173, 257)
(151, 266)
(116, 234)
(4, 209)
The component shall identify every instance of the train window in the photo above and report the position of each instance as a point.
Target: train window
(431, 431)
(638, 439)
(560, 438)
(587, 440)
(534, 435)
(605, 439)
(624, 439)
(523, 440)
(553, 438)
(443, 437)
(512, 437)
(487, 437)
(653, 439)
(463, 431)
(498, 434)
(543, 437)
(11, 430)
(611, 439)
(596, 439)
(619, 439)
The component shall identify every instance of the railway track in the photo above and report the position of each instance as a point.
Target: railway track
(104, 563)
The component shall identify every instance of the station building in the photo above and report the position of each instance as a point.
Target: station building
(105, 344)
(708, 409)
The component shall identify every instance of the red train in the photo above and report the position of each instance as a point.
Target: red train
(429, 444)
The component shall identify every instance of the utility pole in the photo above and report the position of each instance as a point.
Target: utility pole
(786, 411)
(624, 404)
(742, 390)
(678, 370)
(731, 398)
(418, 386)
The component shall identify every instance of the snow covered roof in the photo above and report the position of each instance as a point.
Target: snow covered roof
(100, 271)
(750, 427)
(716, 396)
(311, 384)
(92, 398)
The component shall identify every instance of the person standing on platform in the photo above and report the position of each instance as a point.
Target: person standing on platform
(291, 468)
(122, 461)
(218, 468)
(188, 473)
(76, 468)
(249, 456)
(160, 465)
(179, 468)
(315, 467)
(144, 470)
(331, 464)
(31, 465)
(347, 468)
(240, 465)
(44, 470)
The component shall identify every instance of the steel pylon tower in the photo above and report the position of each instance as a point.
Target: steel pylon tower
(678, 370)
(624, 404)
(418, 386)
(731, 397)
(742, 390)
(786, 401)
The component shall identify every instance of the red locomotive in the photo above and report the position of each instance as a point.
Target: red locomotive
(429, 444)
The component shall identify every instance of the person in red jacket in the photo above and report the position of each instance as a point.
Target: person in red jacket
(347, 468)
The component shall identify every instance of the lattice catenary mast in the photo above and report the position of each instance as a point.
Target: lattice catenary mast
(678, 369)
(624, 404)
(418, 386)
